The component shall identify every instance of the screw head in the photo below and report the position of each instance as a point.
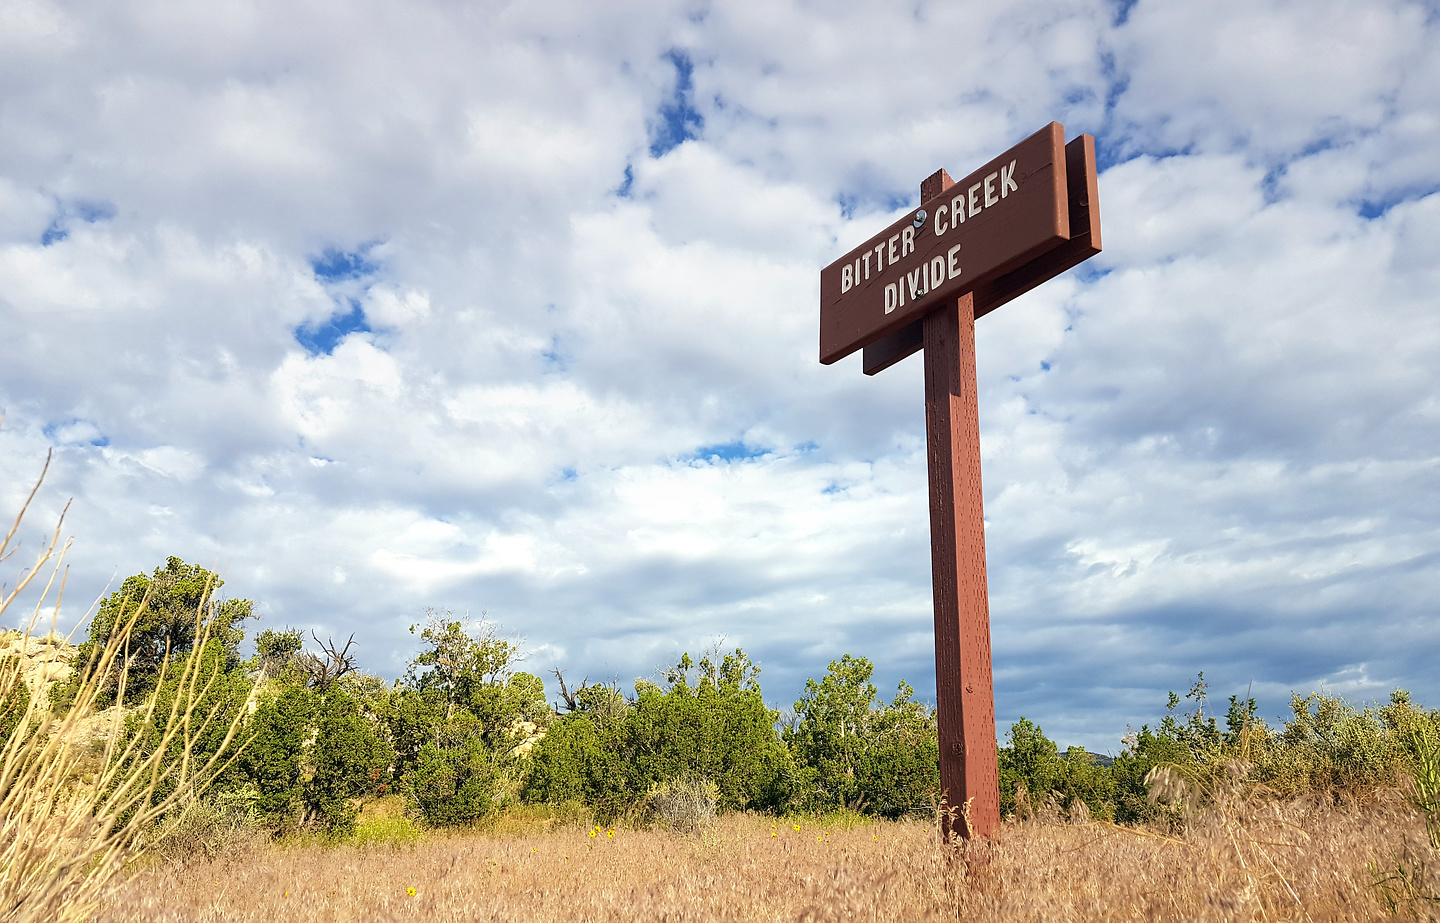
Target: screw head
(919, 219)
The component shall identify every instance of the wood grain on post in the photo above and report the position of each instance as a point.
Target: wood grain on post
(964, 686)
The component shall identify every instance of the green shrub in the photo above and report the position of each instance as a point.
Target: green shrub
(719, 729)
(853, 752)
(273, 760)
(201, 682)
(612, 751)
(14, 700)
(164, 611)
(348, 756)
(454, 780)
(575, 761)
(1032, 764)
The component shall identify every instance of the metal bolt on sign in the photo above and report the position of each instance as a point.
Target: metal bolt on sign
(1021, 219)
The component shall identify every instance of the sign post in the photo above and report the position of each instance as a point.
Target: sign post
(1023, 218)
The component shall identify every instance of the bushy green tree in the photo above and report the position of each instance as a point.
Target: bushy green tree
(718, 729)
(524, 699)
(713, 726)
(578, 761)
(273, 759)
(277, 653)
(1033, 763)
(412, 718)
(214, 691)
(348, 758)
(853, 751)
(454, 779)
(463, 660)
(168, 607)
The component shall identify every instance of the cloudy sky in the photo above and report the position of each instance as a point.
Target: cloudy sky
(378, 305)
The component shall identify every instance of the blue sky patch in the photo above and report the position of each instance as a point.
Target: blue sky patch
(88, 212)
(727, 451)
(54, 233)
(337, 265)
(554, 358)
(75, 432)
(869, 202)
(679, 120)
(323, 338)
(1371, 209)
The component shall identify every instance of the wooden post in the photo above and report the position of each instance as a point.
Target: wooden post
(964, 687)
(958, 257)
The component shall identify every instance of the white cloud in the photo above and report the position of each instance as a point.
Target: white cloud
(591, 404)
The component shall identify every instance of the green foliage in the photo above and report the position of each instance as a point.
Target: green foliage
(719, 729)
(277, 653)
(348, 757)
(311, 754)
(1033, 767)
(524, 699)
(454, 780)
(412, 718)
(15, 701)
(209, 699)
(854, 752)
(578, 762)
(1330, 746)
(611, 751)
(275, 755)
(168, 607)
(1327, 748)
(463, 660)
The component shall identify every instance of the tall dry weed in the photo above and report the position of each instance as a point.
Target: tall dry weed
(1257, 860)
(77, 791)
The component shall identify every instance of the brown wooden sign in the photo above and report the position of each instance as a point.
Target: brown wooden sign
(1024, 217)
(1083, 202)
(995, 220)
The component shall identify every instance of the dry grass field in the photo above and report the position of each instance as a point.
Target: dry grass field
(1257, 861)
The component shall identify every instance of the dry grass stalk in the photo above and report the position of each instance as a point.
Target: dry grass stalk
(1256, 861)
(69, 817)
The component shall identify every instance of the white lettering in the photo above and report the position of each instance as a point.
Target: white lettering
(892, 297)
(1007, 180)
(990, 198)
(847, 279)
(974, 197)
(913, 278)
(940, 226)
(907, 240)
(925, 278)
(890, 252)
(857, 273)
(957, 209)
(937, 272)
(866, 258)
(902, 292)
(879, 257)
(952, 263)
